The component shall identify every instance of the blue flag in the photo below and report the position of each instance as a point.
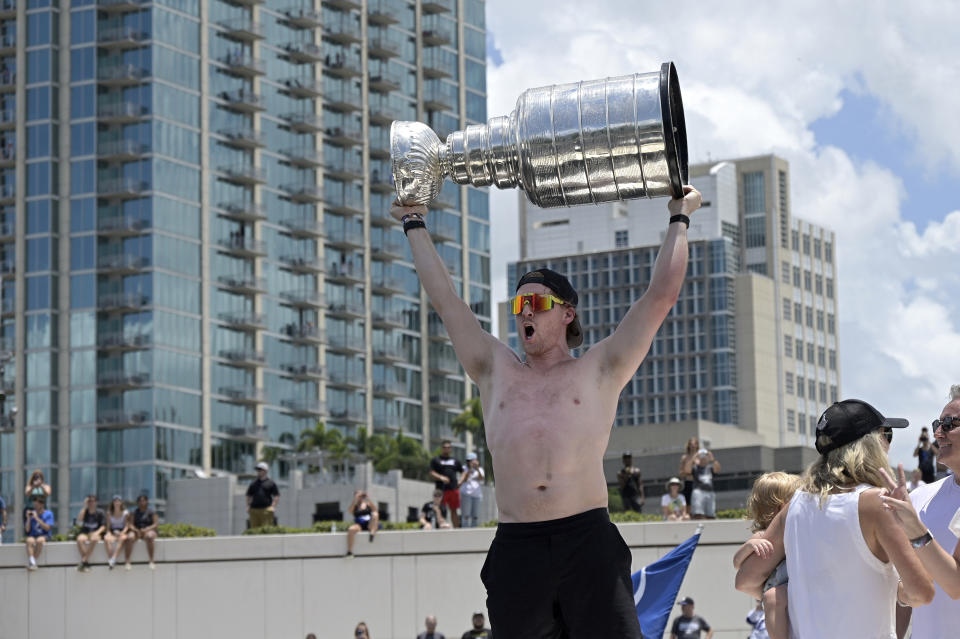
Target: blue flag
(655, 587)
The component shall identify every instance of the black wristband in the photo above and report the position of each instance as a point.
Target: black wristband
(680, 217)
(413, 223)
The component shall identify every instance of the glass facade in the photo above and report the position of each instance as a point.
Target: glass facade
(207, 265)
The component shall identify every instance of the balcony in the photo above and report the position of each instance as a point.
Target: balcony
(243, 283)
(122, 301)
(122, 226)
(243, 30)
(120, 6)
(438, 6)
(437, 31)
(349, 310)
(243, 394)
(303, 18)
(244, 174)
(246, 3)
(384, 47)
(122, 418)
(243, 101)
(304, 157)
(355, 379)
(122, 263)
(245, 320)
(345, 168)
(243, 138)
(343, 66)
(121, 38)
(389, 353)
(343, 31)
(380, 142)
(122, 112)
(304, 333)
(302, 299)
(389, 251)
(354, 415)
(384, 12)
(122, 75)
(8, 306)
(245, 66)
(385, 80)
(304, 372)
(303, 87)
(436, 330)
(302, 264)
(344, 5)
(381, 181)
(242, 246)
(121, 188)
(303, 406)
(8, 44)
(391, 388)
(120, 341)
(8, 9)
(350, 203)
(252, 432)
(244, 357)
(439, 63)
(346, 343)
(440, 96)
(122, 379)
(8, 118)
(8, 233)
(8, 155)
(8, 193)
(445, 399)
(387, 286)
(345, 238)
(345, 99)
(8, 81)
(344, 136)
(120, 150)
(304, 227)
(382, 112)
(388, 319)
(304, 193)
(304, 122)
(304, 52)
(445, 365)
(8, 268)
(8, 423)
(243, 211)
(345, 273)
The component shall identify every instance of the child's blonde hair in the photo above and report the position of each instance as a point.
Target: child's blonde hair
(771, 491)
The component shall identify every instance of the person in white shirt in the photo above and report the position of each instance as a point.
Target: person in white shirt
(916, 480)
(848, 565)
(926, 519)
(673, 503)
(471, 492)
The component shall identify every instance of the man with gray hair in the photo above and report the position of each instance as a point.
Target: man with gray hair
(431, 632)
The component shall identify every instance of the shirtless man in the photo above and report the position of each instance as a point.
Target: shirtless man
(557, 566)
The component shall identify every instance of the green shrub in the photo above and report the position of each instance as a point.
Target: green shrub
(630, 516)
(277, 530)
(614, 501)
(168, 531)
(732, 513)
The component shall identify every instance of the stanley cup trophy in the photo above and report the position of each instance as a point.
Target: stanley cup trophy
(580, 143)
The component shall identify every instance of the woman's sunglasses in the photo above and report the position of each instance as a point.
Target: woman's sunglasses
(536, 301)
(888, 435)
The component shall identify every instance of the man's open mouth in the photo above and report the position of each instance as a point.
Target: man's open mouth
(528, 331)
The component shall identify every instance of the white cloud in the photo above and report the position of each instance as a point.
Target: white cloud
(755, 76)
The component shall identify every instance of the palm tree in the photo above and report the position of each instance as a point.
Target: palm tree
(471, 421)
(331, 441)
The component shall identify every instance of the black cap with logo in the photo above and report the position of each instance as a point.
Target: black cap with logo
(848, 421)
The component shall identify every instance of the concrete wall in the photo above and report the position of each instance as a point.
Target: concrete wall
(283, 587)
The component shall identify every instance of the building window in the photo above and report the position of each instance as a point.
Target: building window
(816, 248)
(806, 244)
(809, 314)
(791, 420)
(785, 272)
(754, 200)
(823, 393)
(756, 232)
(799, 350)
(819, 320)
(818, 284)
(833, 394)
(802, 423)
(812, 388)
(810, 348)
(828, 252)
(801, 388)
(760, 268)
(807, 281)
(788, 345)
(789, 384)
(798, 312)
(829, 288)
(621, 239)
(831, 324)
(796, 276)
(795, 240)
(832, 356)
(821, 356)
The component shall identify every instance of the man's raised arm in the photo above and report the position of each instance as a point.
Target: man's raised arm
(474, 346)
(622, 352)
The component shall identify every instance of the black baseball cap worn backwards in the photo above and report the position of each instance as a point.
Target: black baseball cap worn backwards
(561, 286)
(848, 421)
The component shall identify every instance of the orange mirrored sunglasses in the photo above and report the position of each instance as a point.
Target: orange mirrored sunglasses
(537, 302)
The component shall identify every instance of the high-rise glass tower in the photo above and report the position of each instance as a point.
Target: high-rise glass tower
(196, 252)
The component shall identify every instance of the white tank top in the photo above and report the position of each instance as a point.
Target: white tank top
(838, 588)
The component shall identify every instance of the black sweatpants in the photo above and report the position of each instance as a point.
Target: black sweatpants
(560, 579)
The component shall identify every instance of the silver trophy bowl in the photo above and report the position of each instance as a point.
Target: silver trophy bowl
(564, 145)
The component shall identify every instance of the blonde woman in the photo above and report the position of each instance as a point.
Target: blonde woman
(118, 529)
(843, 556)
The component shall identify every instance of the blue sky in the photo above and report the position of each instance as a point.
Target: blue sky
(866, 117)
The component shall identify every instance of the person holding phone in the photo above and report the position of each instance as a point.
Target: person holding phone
(703, 499)
(39, 528)
(925, 457)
